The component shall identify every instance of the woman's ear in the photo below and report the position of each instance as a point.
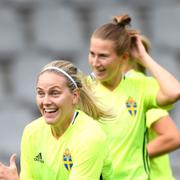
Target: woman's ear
(76, 95)
(125, 56)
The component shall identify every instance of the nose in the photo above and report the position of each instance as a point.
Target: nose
(46, 100)
(94, 61)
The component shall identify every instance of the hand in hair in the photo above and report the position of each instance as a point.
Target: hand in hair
(137, 51)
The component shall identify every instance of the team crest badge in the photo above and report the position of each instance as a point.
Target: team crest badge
(131, 106)
(67, 159)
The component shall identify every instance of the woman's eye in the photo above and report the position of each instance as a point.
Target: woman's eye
(55, 93)
(40, 93)
(91, 54)
(103, 56)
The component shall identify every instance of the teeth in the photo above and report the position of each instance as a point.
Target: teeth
(50, 110)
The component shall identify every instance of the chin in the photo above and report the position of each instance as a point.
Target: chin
(100, 76)
(50, 121)
(101, 79)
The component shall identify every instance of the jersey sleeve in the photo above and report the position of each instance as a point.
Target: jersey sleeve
(90, 161)
(154, 115)
(151, 89)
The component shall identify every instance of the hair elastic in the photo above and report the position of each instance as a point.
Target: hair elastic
(62, 71)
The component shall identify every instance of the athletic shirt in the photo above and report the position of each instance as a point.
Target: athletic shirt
(81, 153)
(128, 102)
(159, 166)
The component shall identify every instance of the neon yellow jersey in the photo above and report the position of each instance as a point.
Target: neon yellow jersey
(127, 130)
(79, 154)
(159, 166)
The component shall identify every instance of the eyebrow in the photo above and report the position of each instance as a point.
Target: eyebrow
(49, 88)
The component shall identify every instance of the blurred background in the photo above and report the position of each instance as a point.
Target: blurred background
(34, 32)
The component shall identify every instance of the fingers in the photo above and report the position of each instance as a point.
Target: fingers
(13, 160)
(9, 172)
(2, 165)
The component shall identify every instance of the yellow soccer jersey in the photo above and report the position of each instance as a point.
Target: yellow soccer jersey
(127, 130)
(159, 166)
(81, 153)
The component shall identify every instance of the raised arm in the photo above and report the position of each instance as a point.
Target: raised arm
(169, 91)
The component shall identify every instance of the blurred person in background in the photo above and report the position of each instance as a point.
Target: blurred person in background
(162, 132)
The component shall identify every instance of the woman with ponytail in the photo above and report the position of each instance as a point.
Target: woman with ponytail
(111, 46)
(66, 142)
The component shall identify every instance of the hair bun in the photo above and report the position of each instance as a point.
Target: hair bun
(122, 20)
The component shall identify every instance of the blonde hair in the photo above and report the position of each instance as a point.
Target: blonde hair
(117, 32)
(87, 101)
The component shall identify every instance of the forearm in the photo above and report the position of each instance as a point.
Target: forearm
(163, 144)
(169, 85)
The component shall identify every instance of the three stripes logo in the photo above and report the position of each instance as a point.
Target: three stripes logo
(39, 158)
(131, 106)
(68, 163)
